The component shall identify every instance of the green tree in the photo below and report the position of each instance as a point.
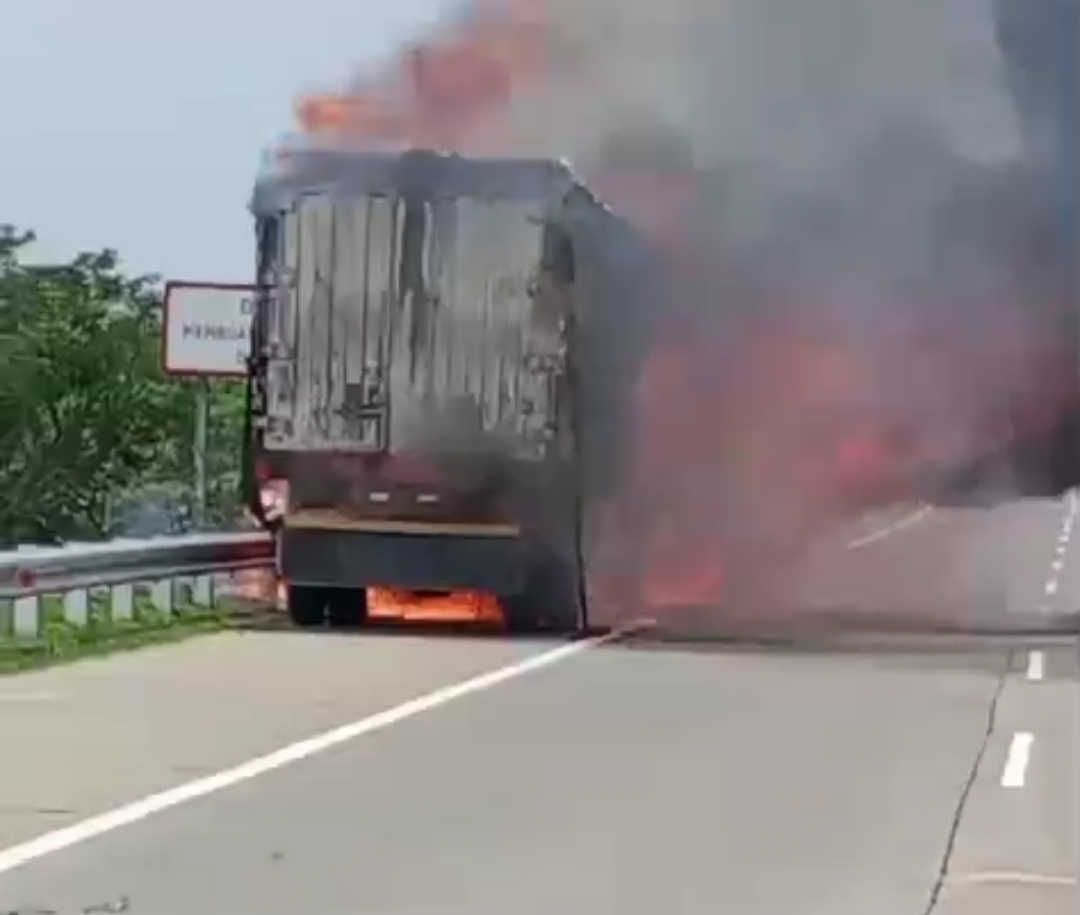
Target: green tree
(85, 410)
(174, 476)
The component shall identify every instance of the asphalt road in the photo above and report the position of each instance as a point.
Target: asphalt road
(842, 774)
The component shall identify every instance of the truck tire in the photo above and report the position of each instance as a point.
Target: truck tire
(346, 608)
(307, 605)
(550, 601)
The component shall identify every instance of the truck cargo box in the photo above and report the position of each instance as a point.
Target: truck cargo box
(422, 327)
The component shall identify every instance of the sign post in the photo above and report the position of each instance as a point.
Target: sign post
(207, 334)
(202, 421)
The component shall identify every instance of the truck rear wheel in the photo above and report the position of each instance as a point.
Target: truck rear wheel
(306, 605)
(346, 608)
(311, 606)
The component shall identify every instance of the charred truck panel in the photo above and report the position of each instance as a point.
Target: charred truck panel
(411, 383)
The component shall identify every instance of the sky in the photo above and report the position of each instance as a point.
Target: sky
(139, 124)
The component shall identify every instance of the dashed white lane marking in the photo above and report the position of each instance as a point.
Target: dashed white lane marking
(1016, 762)
(1061, 547)
(1036, 665)
(50, 842)
(1014, 773)
(889, 529)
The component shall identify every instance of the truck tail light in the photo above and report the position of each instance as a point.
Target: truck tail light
(274, 498)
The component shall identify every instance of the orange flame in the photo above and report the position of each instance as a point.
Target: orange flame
(261, 586)
(435, 92)
(458, 606)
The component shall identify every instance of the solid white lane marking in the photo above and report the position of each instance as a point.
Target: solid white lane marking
(1020, 877)
(31, 697)
(59, 839)
(1016, 763)
(1035, 665)
(889, 529)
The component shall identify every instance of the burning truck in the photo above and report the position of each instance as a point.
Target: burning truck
(446, 364)
(448, 357)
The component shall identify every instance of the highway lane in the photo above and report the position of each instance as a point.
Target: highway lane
(838, 776)
(87, 737)
(1005, 567)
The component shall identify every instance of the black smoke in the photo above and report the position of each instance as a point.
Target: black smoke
(893, 179)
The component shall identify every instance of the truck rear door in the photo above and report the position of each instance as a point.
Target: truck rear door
(398, 322)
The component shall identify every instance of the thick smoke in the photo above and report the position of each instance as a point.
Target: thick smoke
(875, 214)
(797, 87)
(879, 295)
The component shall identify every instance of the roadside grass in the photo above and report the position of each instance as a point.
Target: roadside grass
(60, 642)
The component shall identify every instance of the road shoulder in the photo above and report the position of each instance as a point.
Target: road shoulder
(1018, 844)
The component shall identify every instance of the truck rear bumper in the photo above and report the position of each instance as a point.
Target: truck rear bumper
(455, 561)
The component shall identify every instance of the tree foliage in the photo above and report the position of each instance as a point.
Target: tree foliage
(87, 417)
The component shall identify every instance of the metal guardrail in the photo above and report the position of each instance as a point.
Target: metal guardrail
(77, 573)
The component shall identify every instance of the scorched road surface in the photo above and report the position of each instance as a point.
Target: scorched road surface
(632, 777)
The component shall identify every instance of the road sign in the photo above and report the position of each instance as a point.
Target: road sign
(207, 329)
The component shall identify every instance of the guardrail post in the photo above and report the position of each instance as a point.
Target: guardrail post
(26, 618)
(161, 595)
(202, 591)
(122, 601)
(77, 607)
